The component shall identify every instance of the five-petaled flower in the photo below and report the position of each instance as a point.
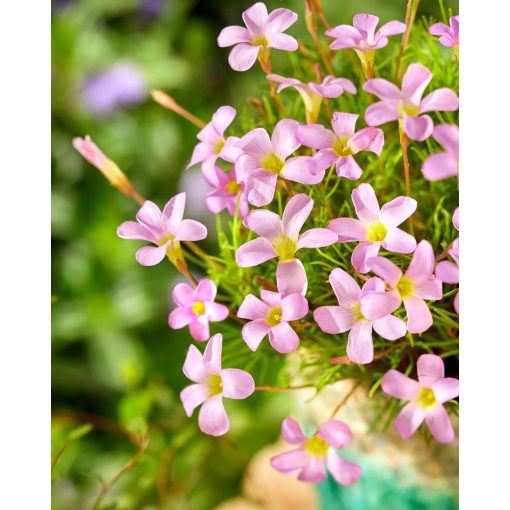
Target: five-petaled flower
(414, 286)
(363, 38)
(279, 237)
(407, 105)
(441, 165)
(264, 159)
(358, 312)
(449, 35)
(263, 31)
(271, 316)
(312, 455)
(340, 145)
(375, 227)
(196, 308)
(213, 144)
(446, 271)
(165, 229)
(227, 192)
(212, 384)
(426, 397)
(314, 93)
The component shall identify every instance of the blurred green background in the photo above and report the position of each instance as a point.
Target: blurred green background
(116, 364)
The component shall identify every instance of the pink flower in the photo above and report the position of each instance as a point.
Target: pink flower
(271, 315)
(407, 104)
(263, 160)
(312, 455)
(414, 286)
(165, 229)
(213, 144)
(212, 384)
(263, 31)
(446, 271)
(313, 93)
(279, 237)
(425, 396)
(449, 35)
(362, 36)
(375, 227)
(360, 310)
(340, 145)
(443, 164)
(227, 191)
(195, 308)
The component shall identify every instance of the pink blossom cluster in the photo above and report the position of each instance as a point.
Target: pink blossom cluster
(394, 300)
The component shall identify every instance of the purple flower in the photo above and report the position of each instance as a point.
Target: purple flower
(196, 308)
(407, 105)
(443, 164)
(360, 311)
(164, 229)
(426, 398)
(227, 191)
(375, 227)
(263, 31)
(312, 455)
(121, 85)
(449, 35)
(340, 145)
(212, 385)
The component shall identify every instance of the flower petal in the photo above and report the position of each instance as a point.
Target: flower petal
(290, 461)
(383, 89)
(440, 166)
(430, 369)
(216, 312)
(400, 386)
(398, 241)
(448, 136)
(260, 187)
(264, 223)
(362, 253)
(422, 264)
(173, 212)
(386, 269)
(316, 238)
(190, 230)
(348, 168)
(367, 139)
(376, 305)
(256, 143)
(279, 20)
(237, 384)
(149, 215)
(233, 35)
(419, 318)
(294, 307)
(447, 272)
(199, 329)
(334, 319)
(366, 23)
(253, 333)
(205, 291)
(213, 419)
(398, 210)
(194, 367)
(418, 128)
(255, 18)
(344, 124)
(381, 112)
(212, 354)
(446, 389)
(345, 36)
(192, 396)
(133, 230)
(296, 212)
(243, 56)
(283, 42)
(391, 28)
(390, 327)
(441, 100)
(360, 347)
(336, 433)
(291, 431)
(415, 81)
(408, 420)
(315, 136)
(303, 169)
(440, 426)
(348, 229)
(314, 471)
(252, 308)
(283, 140)
(429, 289)
(151, 255)
(365, 203)
(255, 252)
(283, 338)
(179, 318)
(343, 471)
(291, 277)
(344, 286)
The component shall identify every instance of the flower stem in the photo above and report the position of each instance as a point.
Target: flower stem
(404, 143)
(168, 102)
(412, 7)
(274, 389)
(344, 400)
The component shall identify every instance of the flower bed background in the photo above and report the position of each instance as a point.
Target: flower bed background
(116, 364)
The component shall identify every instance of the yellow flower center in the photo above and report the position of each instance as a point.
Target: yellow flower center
(405, 287)
(198, 308)
(163, 240)
(356, 310)
(214, 384)
(274, 316)
(219, 145)
(285, 247)
(340, 147)
(260, 40)
(272, 163)
(376, 231)
(316, 446)
(233, 187)
(409, 109)
(426, 398)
